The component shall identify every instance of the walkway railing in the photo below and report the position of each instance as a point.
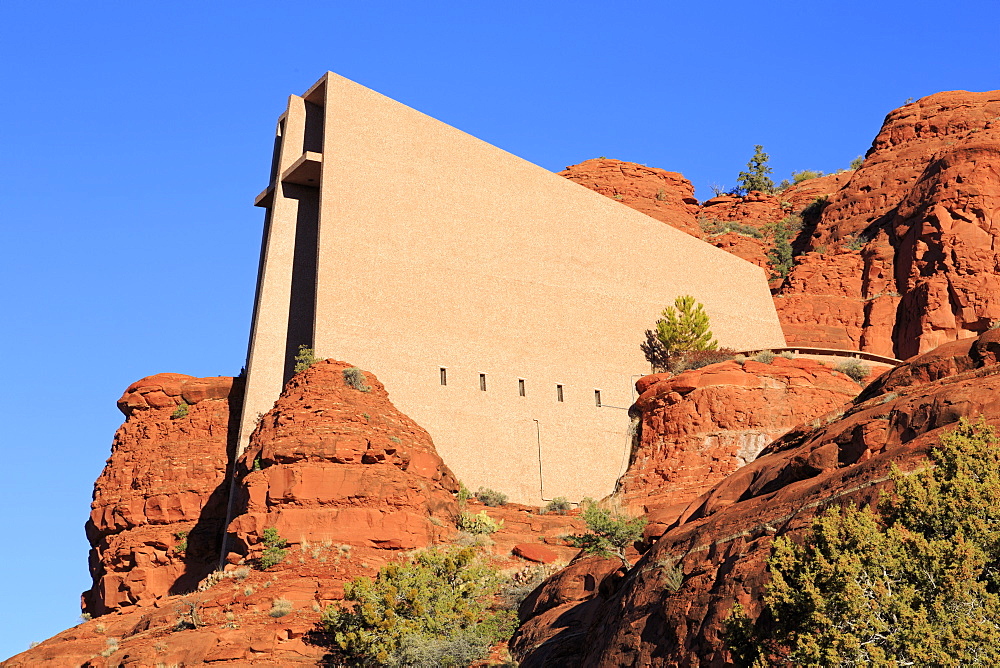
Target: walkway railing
(827, 352)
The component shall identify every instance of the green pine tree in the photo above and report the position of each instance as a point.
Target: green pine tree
(914, 583)
(685, 327)
(756, 177)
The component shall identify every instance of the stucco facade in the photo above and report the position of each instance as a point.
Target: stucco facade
(402, 245)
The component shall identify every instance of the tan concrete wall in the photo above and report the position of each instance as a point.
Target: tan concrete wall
(266, 354)
(439, 250)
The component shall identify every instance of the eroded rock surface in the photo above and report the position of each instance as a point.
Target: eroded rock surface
(159, 504)
(699, 427)
(924, 204)
(670, 609)
(347, 481)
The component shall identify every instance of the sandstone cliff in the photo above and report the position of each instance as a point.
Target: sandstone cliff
(160, 503)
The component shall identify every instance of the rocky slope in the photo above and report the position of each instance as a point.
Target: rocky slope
(670, 608)
(347, 481)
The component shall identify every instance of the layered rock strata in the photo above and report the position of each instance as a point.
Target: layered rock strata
(159, 505)
(699, 427)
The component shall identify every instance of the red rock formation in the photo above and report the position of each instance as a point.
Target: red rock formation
(701, 426)
(755, 209)
(923, 204)
(911, 137)
(333, 463)
(163, 478)
(663, 195)
(348, 482)
(671, 608)
(819, 303)
(801, 195)
(749, 248)
(925, 199)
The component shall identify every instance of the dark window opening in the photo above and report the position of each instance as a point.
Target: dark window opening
(559, 393)
(482, 382)
(597, 398)
(444, 376)
(520, 387)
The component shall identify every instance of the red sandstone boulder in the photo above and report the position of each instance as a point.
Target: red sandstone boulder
(701, 426)
(333, 463)
(535, 552)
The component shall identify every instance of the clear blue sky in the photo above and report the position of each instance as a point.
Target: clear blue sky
(135, 135)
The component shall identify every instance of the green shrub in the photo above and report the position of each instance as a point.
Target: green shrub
(764, 357)
(854, 370)
(610, 531)
(812, 211)
(911, 582)
(523, 582)
(355, 377)
(180, 412)
(713, 226)
(274, 549)
(854, 243)
(435, 610)
(491, 497)
(480, 523)
(781, 256)
(559, 505)
(857, 162)
(671, 573)
(182, 543)
(304, 359)
(805, 175)
(463, 494)
(418, 651)
(787, 354)
(111, 648)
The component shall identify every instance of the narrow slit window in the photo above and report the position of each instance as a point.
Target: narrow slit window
(520, 387)
(597, 398)
(482, 382)
(444, 376)
(559, 393)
